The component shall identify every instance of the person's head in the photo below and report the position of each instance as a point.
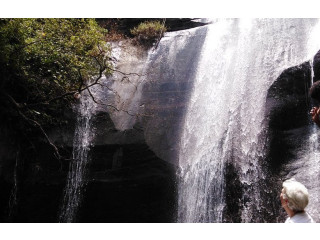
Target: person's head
(295, 195)
(315, 91)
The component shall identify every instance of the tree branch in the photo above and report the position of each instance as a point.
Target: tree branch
(95, 82)
(33, 123)
(81, 79)
(126, 74)
(71, 93)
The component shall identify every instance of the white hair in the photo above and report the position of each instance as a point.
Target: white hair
(296, 194)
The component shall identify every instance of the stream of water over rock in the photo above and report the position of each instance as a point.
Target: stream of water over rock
(224, 123)
(83, 137)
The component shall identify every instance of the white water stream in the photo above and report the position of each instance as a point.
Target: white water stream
(225, 123)
(78, 166)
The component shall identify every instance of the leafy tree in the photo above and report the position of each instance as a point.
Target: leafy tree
(43, 63)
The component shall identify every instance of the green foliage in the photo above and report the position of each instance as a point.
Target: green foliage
(66, 51)
(148, 32)
(42, 59)
(42, 63)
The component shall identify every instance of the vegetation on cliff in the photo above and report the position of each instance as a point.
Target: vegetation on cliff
(43, 64)
(46, 63)
(149, 32)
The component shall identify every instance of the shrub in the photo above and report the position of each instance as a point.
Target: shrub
(148, 32)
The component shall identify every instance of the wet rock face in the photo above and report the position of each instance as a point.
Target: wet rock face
(316, 66)
(287, 113)
(125, 183)
(288, 107)
(128, 183)
(232, 210)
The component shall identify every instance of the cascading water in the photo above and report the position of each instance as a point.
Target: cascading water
(13, 200)
(77, 168)
(225, 122)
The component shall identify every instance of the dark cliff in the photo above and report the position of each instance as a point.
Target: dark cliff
(289, 130)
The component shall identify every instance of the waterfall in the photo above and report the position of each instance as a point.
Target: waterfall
(306, 168)
(13, 199)
(225, 122)
(77, 167)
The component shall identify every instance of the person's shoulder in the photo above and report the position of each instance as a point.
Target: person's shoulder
(310, 218)
(288, 220)
(303, 217)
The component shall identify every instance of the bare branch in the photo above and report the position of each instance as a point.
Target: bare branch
(126, 74)
(110, 89)
(84, 87)
(128, 79)
(71, 93)
(96, 81)
(93, 99)
(33, 122)
(108, 105)
(95, 58)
